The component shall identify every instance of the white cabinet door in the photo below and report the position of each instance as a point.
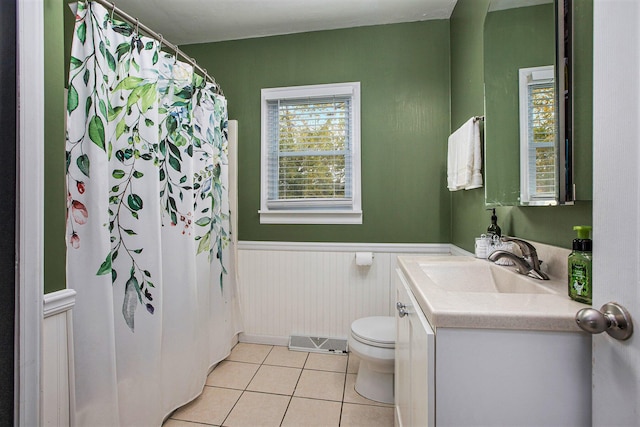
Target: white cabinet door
(415, 373)
(402, 378)
(422, 369)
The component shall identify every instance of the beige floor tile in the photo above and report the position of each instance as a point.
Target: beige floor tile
(312, 412)
(352, 396)
(366, 416)
(231, 374)
(211, 407)
(282, 356)
(326, 362)
(177, 423)
(258, 409)
(320, 385)
(353, 364)
(275, 379)
(249, 353)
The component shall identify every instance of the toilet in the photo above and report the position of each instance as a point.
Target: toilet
(373, 340)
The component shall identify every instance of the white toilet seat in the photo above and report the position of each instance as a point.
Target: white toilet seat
(376, 331)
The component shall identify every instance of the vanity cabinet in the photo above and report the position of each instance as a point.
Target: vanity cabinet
(414, 362)
(448, 376)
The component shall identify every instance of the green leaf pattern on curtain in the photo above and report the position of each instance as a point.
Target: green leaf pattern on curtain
(156, 125)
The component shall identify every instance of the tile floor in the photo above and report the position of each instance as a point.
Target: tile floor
(263, 385)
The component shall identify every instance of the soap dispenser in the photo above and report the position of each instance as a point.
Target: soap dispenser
(579, 266)
(494, 229)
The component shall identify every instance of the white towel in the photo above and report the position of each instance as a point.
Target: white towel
(464, 158)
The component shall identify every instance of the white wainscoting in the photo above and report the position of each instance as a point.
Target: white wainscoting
(316, 289)
(58, 381)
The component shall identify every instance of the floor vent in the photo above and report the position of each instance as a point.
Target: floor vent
(318, 344)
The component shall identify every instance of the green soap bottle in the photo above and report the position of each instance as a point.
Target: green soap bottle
(579, 266)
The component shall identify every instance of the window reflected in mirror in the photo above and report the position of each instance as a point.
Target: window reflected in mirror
(538, 136)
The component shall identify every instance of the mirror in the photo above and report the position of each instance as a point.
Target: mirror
(527, 130)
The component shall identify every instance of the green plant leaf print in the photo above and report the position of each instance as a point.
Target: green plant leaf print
(135, 202)
(166, 129)
(96, 131)
(128, 83)
(83, 164)
(75, 63)
(72, 99)
(105, 267)
(82, 32)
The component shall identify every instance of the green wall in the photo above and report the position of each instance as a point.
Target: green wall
(54, 157)
(404, 74)
(419, 81)
(550, 225)
(513, 38)
(468, 218)
(583, 98)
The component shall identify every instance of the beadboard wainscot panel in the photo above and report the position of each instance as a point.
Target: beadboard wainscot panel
(58, 381)
(315, 289)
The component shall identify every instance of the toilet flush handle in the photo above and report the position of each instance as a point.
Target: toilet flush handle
(402, 309)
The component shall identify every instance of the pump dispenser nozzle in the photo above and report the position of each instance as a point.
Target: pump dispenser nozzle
(583, 231)
(494, 229)
(582, 242)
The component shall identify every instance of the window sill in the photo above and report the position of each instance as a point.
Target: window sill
(310, 217)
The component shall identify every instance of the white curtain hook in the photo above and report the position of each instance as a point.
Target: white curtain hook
(160, 43)
(113, 9)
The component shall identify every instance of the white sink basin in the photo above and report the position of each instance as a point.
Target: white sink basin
(466, 292)
(480, 277)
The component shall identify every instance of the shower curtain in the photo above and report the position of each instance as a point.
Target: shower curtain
(148, 243)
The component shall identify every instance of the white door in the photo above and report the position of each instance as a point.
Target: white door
(616, 218)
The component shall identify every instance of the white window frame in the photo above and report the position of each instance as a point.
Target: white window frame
(527, 77)
(297, 212)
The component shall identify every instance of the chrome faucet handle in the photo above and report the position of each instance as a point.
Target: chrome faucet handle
(522, 264)
(529, 251)
(527, 248)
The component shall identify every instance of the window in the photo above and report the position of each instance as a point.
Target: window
(310, 152)
(538, 134)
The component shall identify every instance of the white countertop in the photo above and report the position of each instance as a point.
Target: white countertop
(552, 311)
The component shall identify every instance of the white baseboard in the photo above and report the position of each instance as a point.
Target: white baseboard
(264, 339)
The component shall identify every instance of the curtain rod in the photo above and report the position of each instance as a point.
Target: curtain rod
(140, 26)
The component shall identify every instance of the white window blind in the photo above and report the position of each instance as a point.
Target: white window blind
(538, 136)
(542, 139)
(311, 154)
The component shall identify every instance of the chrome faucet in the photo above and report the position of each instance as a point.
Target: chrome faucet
(528, 264)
